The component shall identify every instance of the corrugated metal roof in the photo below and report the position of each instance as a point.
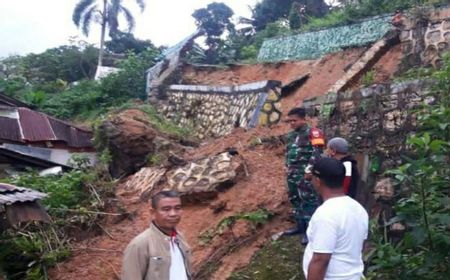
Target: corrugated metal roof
(73, 136)
(10, 101)
(9, 129)
(34, 126)
(10, 194)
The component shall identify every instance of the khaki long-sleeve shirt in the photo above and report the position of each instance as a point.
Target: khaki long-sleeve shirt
(147, 257)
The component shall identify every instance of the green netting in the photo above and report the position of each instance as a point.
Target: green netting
(315, 44)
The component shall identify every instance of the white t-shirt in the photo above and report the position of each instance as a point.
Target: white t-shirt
(177, 268)
(339, 226)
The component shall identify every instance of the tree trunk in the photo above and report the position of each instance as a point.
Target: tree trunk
(316, 8)
(102, 35)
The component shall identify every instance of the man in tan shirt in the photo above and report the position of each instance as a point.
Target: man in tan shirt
(160, 252)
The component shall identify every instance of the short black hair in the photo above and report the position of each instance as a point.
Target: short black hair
(163, 194)
(331, 171)
(298, 111)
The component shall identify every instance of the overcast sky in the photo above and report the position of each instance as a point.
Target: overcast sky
(35, 25)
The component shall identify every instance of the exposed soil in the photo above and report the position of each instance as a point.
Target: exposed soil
(100, 257)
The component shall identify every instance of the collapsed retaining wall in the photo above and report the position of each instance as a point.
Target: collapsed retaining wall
(312, 45)
(215, 111)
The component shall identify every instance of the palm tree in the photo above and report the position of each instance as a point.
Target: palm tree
(107, 15)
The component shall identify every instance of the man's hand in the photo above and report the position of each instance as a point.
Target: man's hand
(318, 266)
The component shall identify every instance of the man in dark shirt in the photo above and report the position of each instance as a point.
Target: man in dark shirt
(338, 148)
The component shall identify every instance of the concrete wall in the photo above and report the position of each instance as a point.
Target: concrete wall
(311, 45)
(215, 111)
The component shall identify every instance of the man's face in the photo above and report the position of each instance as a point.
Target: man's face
(168, 212)
(295, 121)
(330, 152)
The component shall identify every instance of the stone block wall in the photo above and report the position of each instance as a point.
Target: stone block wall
(312, 45)
(216, 110)
(424, 43)
(376, 121)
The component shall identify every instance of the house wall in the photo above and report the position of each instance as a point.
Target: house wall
(215, 111)
(60, 156)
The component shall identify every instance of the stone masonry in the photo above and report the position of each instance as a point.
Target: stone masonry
(216, 110)
(425, 41)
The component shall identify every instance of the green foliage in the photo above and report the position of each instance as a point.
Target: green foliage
(296, 16)
(87, 99)
(334, 18)
(415, 74)
(155, 159)
(214, 20)
(159, 122)
(368, 78)
(15, 86)
(72, 201)
(81, 100)
(36, 98)
(423, 206)
(256, 218)
(88, 11)
(66, 63)
(28, 255)
(269, 11)
(130, 81)
(123, 42)
(247, 48)
(65, 191)
(276, 260)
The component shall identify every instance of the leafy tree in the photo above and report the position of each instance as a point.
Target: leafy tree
(296, 15)
(214, 20)
(68, 63)
(107, 15)
(268, 11)
(130, 81)
(123, 42)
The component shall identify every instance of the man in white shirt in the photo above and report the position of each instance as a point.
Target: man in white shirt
(337, 229)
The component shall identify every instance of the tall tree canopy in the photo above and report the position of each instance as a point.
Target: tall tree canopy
(123, 42)
(105, 12)
(214, 20)
(268, 11)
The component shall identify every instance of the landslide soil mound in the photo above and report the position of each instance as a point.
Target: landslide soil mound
(323, 73)
(262, 188)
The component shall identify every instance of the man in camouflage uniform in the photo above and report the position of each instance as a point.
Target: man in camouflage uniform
(304, 145)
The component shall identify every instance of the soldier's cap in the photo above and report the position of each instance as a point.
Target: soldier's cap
(329, 168)
(338, 144)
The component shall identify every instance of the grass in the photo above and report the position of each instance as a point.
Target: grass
(279, 259)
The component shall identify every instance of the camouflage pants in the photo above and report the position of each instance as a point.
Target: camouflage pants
(303, 198)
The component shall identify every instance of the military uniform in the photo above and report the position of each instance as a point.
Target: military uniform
(304, 146)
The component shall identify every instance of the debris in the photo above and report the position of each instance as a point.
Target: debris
(144, 181)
